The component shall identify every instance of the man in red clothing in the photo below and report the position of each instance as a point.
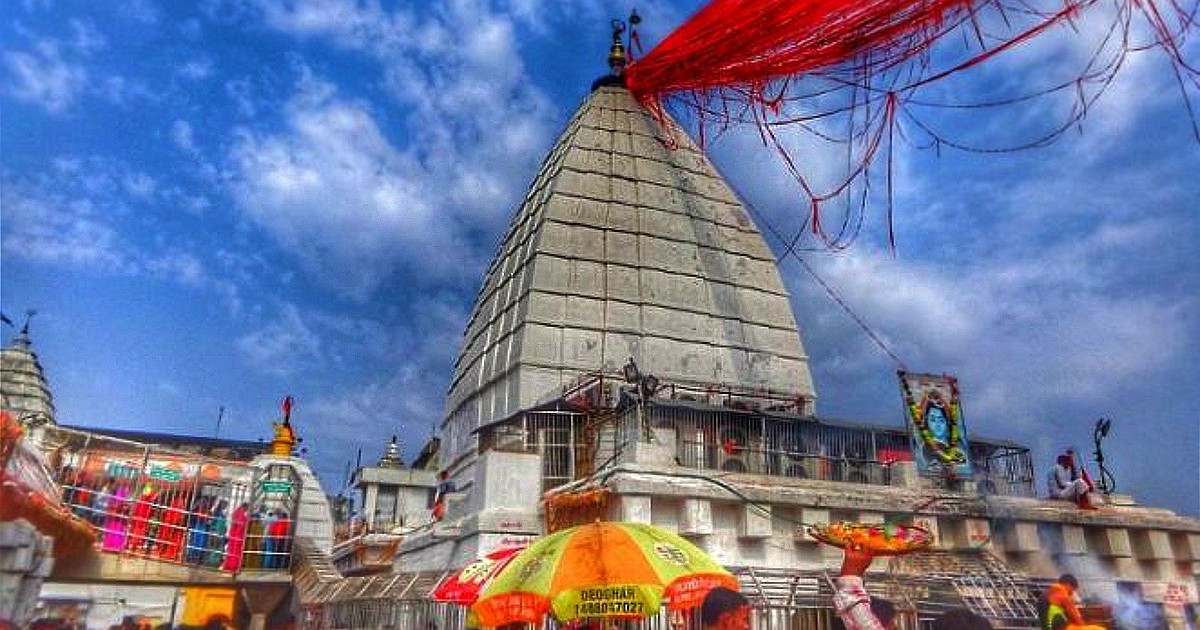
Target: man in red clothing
(279, 533)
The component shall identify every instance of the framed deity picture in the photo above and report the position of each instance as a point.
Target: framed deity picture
(933, 414)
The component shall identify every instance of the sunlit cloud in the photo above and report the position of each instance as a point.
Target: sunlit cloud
(43, 77)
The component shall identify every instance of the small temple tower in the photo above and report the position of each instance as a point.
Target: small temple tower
(394, 496)
(24, 392)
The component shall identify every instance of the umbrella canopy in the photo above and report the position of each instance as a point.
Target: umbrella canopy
(601, 570)
(463, 587)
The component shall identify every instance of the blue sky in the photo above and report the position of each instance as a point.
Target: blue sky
(219, 203)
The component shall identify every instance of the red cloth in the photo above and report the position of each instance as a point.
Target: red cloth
(237, 540)
(280, 528)
(171, 532)
(735, 61)
(139, 521)
(737, 43)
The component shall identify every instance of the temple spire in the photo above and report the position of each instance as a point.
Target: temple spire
(391, 457)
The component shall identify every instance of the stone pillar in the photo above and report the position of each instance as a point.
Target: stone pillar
(369, 499)
(634, 508)
(754, 521)
(696, 517)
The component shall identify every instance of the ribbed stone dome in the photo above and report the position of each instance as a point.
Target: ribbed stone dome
(24, 392)
(625, 247)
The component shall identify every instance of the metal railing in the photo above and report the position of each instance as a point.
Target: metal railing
(1005, 470)
(576, 444)
(177, 507)
(571, 444)
(763, 445)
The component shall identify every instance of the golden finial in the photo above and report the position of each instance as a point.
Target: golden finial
(285, 437)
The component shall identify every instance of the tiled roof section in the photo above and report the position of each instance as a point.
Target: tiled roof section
(626, 247)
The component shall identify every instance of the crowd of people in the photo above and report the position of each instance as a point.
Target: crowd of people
(173, 521)
(725, 609)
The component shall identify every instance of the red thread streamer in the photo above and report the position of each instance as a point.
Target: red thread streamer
(743, 61)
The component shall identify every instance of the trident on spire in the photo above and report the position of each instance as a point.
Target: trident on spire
(617, 59)
(616, 53)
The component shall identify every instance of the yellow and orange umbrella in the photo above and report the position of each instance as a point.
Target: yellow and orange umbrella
(601, 570)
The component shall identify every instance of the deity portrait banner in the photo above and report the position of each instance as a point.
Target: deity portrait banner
(935, 422)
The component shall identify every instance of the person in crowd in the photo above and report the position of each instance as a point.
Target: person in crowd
(159, 497)
(217, 622)
(444, 486)
(1061, 603)
(267, 544)
(79, 497)
(856, 610)
(1064, 483)
(116, 516)
(254, 540)
(100, 500)
(97, 500)
(139, 519)
(217, 535)
(960, 619)
(201, 518)
(277, 540)
(238, 522)
(725, 609)
(68, 480)
(173, 528)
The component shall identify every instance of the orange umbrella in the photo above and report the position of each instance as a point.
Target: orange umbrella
(601, 570)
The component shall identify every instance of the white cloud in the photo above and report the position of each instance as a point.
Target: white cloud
(1032, 317)
(406, 399)
(86, 38)
(140, 185)
(121, 90)
(358, 201)
(196, 69)
(183, 136)
(241, 92)
(41, 76)
(76, 215)
(280, 345)
(335, 190)
(52, 228)
(182, 267)
(144, 11)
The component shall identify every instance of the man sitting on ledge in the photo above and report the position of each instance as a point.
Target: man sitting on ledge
(1066, 485)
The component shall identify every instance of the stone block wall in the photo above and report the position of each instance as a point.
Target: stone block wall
(25, 561)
